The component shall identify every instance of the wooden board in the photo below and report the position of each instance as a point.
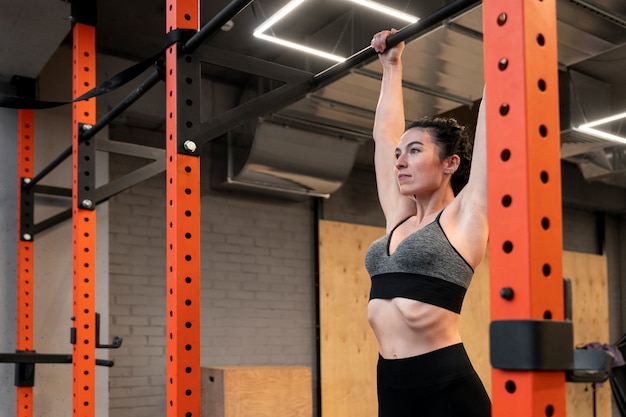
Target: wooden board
(348, 347)
(591, 324)
(349, 350)
(256, 391)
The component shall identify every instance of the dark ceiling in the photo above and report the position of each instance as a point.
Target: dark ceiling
(135, 29)
(445, 64)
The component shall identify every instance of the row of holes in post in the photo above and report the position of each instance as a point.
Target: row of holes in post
(86, 372)
(86, 312)
(27, 293)
(507, 200)
(188, 236)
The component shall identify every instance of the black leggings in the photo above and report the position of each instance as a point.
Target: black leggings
(441, 383)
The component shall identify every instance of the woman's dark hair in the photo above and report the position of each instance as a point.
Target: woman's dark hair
(452, 139)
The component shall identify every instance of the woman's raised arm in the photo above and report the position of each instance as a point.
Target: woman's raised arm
(389, 125)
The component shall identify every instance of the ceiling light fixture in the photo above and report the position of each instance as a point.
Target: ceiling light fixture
(289, 7)
(299, 47)
(590, 128)
(387, 10)
(259, 32)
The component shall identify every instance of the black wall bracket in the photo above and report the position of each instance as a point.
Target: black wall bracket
(115, 343)
(546, 345)
(86, 170)
(532, 345)
(25, 364)
(25, 360)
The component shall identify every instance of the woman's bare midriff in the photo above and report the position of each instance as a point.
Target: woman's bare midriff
(406, 328)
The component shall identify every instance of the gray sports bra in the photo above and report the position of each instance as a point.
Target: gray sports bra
(424, 267)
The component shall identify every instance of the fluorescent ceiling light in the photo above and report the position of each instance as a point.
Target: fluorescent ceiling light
(590, 128)
(259, 32)
(290, 7)
(387, 10)
(300, 47)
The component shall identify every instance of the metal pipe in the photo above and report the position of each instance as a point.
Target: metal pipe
(138, 92)
(213, 25)
(48, 168)
(130, 99)
(422, 26)
(289, 93)
(32, 357)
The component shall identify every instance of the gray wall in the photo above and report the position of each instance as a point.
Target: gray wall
(52, 254)
(8, 253)
(258, 287)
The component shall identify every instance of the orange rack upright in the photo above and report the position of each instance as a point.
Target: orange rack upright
(525, 243)
(182, 80)
(83, 224)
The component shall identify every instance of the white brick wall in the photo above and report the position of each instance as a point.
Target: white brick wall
(137, 299)
(258, 288)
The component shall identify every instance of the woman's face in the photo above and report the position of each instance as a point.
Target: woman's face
(419, 168)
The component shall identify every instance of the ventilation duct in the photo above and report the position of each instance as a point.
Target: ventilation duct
(585, 99)
(281, 160)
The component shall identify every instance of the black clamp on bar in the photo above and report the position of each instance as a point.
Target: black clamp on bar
(179, 35)
(532, 345)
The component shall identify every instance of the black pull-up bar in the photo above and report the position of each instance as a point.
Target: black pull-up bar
(135, 95)
(420, 27)
(287, 94)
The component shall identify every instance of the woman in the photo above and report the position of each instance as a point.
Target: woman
(436, 223)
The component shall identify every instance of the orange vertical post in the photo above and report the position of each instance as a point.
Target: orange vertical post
(183, 224)
(525, 243)
(25, 251)
(83, 230)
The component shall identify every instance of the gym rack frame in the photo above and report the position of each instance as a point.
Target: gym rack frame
(524, 200)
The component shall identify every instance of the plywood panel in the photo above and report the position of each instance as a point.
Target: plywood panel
(474, 322)
(348, 347)
(349, 351)
(257, 391)
(591, 324)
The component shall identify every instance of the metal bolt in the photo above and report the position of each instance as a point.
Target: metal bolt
(190, 146)
(27, 180)
(87, 127)
(507, 293)
(27, 236)
(86, 203)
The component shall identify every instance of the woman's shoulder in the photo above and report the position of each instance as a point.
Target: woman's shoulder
(467, 229)
(400, 214)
